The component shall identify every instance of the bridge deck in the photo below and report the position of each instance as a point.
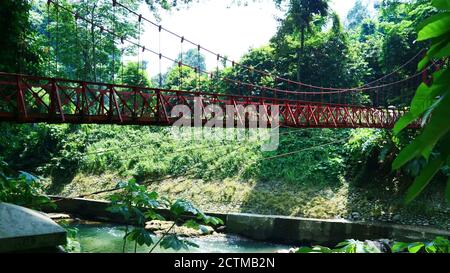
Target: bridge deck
(29, 99)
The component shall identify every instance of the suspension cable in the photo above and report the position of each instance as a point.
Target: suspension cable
(335, 91)
(267, 73)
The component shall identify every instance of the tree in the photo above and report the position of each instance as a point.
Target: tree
(135, 75)
(77, 49)
(357, 15)
(186, 78)
(193, 58)
(302, 13)
(18, 52)
(258, 58)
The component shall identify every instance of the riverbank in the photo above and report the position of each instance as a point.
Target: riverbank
(268, 228)
(341, 201)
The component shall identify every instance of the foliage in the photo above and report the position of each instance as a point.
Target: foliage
(134, 74)
(357, 14)
(301, 14)
(186, 78)
(138, 205)
(193, 58)
(371, 49)
(348, 246)
(19, 54)
(438, 245)
(22, 189)
(431, 103)
(72, 245)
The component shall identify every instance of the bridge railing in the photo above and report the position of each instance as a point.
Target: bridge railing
(39, 99)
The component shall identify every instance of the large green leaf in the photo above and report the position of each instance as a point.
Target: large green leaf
(435, 28)
(413, 150)
(305, 249)
(181, 207)
(415, 247)
(399, 247)
(438, 126)
(419, 104)
(423, 63)
(404, 121)
(441, 4)
(444, 52)
(430, 20)
(438, 45)
(424, 98)
(173, 242)
(423, 179)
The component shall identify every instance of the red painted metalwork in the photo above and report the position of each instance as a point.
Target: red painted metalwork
(30, 99)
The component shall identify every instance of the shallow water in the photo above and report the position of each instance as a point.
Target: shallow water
(108, 238)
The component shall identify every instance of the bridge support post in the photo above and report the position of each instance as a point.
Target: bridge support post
(22, 111)
(55, 101)
(158, 106)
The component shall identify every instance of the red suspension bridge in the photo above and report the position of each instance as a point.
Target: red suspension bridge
(31, 99)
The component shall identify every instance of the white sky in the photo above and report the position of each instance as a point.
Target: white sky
(226, 30)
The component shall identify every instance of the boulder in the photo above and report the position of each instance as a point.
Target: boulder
(162, 226)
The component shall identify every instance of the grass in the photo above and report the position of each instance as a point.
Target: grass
(281, 198)
(234, 175)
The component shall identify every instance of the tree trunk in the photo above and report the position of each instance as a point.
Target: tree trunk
(300, 54)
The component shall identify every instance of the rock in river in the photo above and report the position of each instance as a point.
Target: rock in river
(162, 226)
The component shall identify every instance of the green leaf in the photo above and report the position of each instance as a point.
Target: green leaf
(411, 151)
(424, 143)
(181, 207)
(423, 63)
(211, 220)
(441, 4)
(151, 214)
(444, 52)
(441, 80)
(430, 20)
(192, 224)
(423, 179)
(304, 249)
(419, 104)
(415, 247)
(153, 195)
(322, 249)
(436, 28)
(430, 248)
(421, 100)
(399, 247)
(173, 242)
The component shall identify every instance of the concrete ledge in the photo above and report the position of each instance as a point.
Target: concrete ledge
(26, 229)
(324, 232)
(273, 228)
(90, 209)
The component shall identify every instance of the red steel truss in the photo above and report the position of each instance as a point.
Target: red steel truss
(30, 99)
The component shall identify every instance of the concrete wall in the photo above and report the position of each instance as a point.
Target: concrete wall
(96, 210)
(324, 232)
(275, 228)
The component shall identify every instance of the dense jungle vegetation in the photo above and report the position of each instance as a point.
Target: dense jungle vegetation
(351, 178)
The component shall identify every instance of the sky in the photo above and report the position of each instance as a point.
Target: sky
(227, 30)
